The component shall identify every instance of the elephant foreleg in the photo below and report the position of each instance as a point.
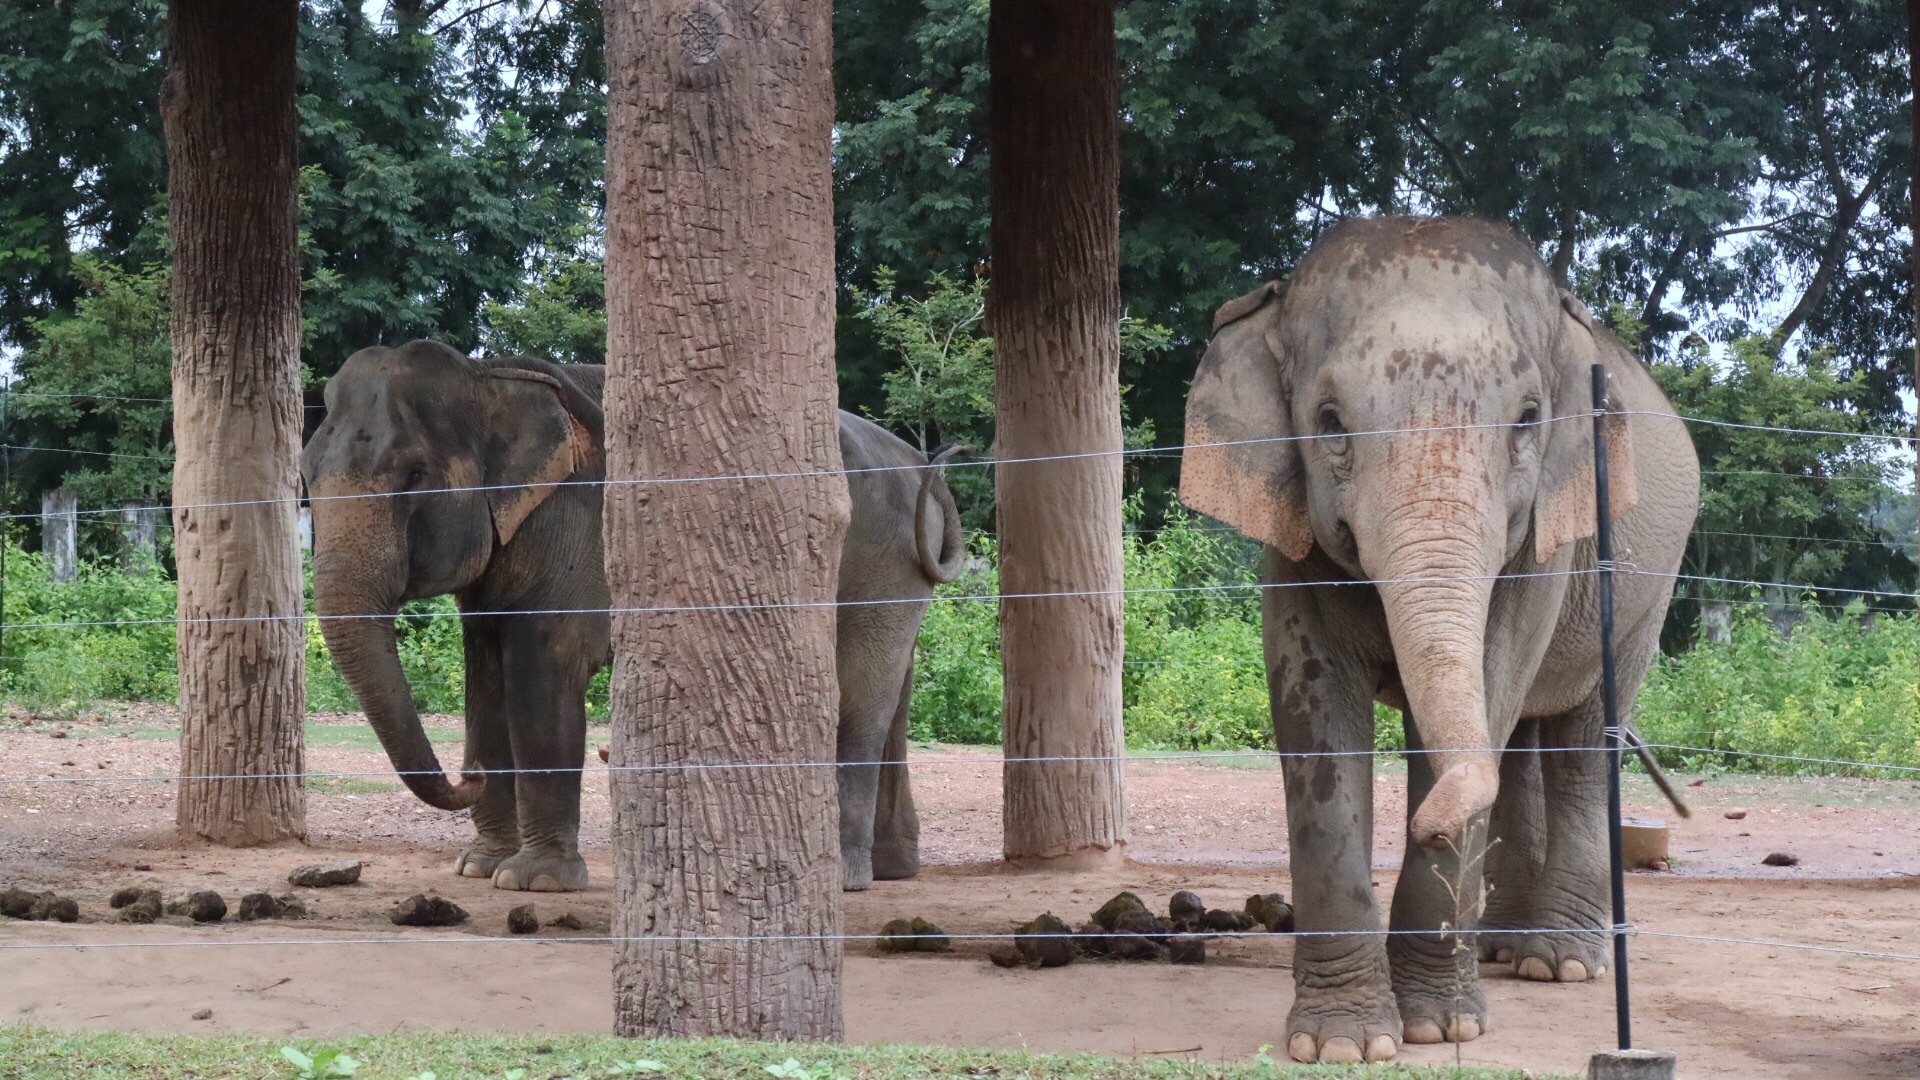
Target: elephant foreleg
(547, 663)
(1436, 975)
(1518, 848)
(489, 750)
(1569, 897)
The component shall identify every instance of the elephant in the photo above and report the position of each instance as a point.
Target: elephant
(435, 473)
(1406, 426)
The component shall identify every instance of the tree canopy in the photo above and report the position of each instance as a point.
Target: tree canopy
(1725, 183)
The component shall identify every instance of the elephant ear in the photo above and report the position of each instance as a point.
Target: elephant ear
(1563, 508)
(1241, 464)
(546, 445)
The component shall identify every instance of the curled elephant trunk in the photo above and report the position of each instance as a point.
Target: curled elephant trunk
(942, 543)
(1437, 588)
(361, 638)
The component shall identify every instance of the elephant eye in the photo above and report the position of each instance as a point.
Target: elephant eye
(415, 477)
(1330, 424)
(1530, 416)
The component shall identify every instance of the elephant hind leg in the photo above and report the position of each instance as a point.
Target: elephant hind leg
(896, 824)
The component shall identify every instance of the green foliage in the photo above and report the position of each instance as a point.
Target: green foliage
(1792, 508)
(561, 317)
(97, 383)
(1833, 689)
(325, 1063)
(61, 668)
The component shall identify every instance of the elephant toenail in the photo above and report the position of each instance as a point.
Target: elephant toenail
(1573, 971)
(1422, 1032)
(1340, 1050)
(1503, 956)
(1465, 1029)
(1381, 1048)
(1303, 1048)
(1534, 968)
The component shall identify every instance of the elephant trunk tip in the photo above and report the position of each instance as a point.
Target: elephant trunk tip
(1463, 790)
(434, 789)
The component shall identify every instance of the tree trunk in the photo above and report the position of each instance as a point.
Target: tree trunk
(231, 161)
(720, 323)
(1054, 311)
(60, 532)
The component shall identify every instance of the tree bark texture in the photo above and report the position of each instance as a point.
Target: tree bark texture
(720, 323)
(1054, 311)
(232, 213)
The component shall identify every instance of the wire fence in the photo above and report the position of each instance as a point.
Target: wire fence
(1624, 568)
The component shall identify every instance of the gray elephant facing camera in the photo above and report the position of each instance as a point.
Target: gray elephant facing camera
(493, 468)
(1442, 566)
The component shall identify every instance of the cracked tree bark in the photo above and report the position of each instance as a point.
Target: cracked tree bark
(1054, 311)
(228, 106)
(720, 317)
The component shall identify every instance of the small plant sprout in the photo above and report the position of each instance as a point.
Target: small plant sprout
(326, 1063)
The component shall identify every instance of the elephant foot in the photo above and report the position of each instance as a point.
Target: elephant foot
(532, 871)
(856, 869)
(480, 860)
(1344, 1025)
(1564, 957)
(1444, 1014)
(895, 862)
(1436, 982)
(1497, 946)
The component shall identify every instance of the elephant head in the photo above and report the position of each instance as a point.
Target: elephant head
(1415, 403)
(426, 462)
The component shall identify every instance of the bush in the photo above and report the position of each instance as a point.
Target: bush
(1835, 689)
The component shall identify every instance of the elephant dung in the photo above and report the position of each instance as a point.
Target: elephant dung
(145, 909)
(1094, 940)
(1006, 956)
(567, 921)
(1045, 942)
(325, 875)
(1185, 907)
(259, 905)
(1222, 921)
(913, 935)
(1187, 949)
(1272, 911)
(206, 906)
(16, 903)
(1781, 858)
(896, 936)
(423, 910)
(122, 897)
(522, 920)
(1140, 936)
(53, 906)
(1114, 908)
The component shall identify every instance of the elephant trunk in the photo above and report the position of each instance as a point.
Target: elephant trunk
(360, 635)
(1438, 558)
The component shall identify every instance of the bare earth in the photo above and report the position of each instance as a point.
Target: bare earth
(1729, 1009)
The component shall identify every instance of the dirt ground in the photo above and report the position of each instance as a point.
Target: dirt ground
(1729, 1009)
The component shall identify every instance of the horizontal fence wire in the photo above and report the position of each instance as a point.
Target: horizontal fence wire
(974, 462)
(1191, 757)
(683, 939)
(995, 597)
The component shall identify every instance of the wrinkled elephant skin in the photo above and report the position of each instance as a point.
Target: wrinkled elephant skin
(434, 473)
(1406, 424)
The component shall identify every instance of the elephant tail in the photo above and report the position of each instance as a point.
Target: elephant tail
(942, 543)
(1659, 775)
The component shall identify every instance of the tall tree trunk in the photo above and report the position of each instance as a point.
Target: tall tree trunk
(233, 218)
(720, 350)
(1054, 311)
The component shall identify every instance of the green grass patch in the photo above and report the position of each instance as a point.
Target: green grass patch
(34, 1054)
(361, 737)
(348, 785)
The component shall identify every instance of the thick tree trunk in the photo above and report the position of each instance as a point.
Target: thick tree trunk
(1054, 311)
(1913, 211)
(720, 352)
(232, 214)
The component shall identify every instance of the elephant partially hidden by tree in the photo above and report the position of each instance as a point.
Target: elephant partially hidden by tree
(434, 473)
(1442, 564)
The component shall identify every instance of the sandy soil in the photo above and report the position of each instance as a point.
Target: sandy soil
(1729, 1009)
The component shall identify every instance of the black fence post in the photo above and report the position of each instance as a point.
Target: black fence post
(1603, 535)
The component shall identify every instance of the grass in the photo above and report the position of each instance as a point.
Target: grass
(38, 1054)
